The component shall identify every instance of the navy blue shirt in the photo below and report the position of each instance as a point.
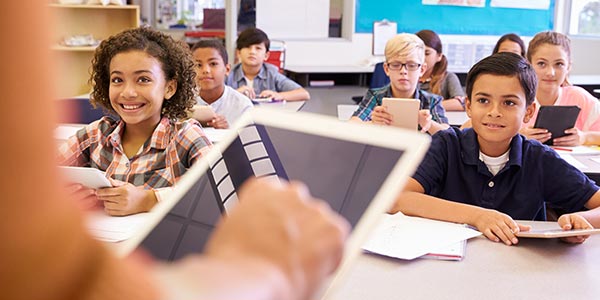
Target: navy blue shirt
(534, 174)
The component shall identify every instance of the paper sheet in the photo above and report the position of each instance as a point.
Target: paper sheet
(572, 161)
(406, 237)
(114, 229)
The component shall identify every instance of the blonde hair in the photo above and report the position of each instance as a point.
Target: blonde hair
(405, 44)
(551, 38)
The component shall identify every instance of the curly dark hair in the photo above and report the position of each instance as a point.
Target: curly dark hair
(175, 57)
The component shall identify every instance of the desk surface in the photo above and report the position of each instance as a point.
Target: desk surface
(330, 69)
(585, 79)
(535, 268)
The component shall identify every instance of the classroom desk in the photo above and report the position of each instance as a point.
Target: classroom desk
(533, 269)
(457, 118)
(589, 82)
(285, 105)
(304, 74)
(592, 167)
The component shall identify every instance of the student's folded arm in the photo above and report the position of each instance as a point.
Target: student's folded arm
(593, 214)
(414, 202)
(453, 104)
(298, 94)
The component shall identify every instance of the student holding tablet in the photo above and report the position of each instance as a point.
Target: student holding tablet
(489, 175)
(263, 250)
(147, 79)
(405, 64)
(550, 55)
(218, 105)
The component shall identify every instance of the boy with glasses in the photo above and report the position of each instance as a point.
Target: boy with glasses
(405, 56)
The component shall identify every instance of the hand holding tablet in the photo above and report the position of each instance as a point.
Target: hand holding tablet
(88, 177)
(556, 233)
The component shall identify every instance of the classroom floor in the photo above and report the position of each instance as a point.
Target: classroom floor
(324, 100)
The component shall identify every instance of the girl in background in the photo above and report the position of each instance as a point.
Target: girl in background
(510, 42)
(550, 54)
(437, 79)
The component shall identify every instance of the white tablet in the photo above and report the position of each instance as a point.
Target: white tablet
(404, 111)
(203, 113)
(88, 177)
(556, 233)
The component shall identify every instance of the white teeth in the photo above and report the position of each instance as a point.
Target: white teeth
(131, 106)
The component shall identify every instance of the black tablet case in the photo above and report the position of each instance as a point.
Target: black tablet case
(556, 119)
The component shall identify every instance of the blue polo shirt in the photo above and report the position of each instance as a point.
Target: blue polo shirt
(534, 174)
(268, 78)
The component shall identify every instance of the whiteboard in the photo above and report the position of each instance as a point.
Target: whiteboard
(284, 19)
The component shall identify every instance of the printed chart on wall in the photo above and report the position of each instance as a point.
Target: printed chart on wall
(382, 32)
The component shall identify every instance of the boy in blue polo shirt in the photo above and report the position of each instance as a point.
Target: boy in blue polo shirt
(489, 175)
(254, 77)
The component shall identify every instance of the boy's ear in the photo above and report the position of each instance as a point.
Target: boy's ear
(385, 69)
(267, 55)
(424, 67)
(170, 89)
(468, 106)
(227, 69)
(529, 111)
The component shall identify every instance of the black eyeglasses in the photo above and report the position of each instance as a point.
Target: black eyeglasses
(410, 66)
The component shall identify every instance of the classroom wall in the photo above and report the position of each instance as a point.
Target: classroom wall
(357, 50)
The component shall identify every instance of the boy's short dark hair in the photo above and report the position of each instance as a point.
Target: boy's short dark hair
(252, 36)
(214, 44)
(506, 64)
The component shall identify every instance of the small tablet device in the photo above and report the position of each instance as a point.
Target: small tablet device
(262, 100)
(556, 119)
(88, 177)
(404, 111)
(203, 113)
(556, 233)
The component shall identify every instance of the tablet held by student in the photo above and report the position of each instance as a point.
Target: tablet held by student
(146, 78)
(405, 64)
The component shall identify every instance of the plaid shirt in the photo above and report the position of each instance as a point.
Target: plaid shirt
(374, 98)
(164, 157)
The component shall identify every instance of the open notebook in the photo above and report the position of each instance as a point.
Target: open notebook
(357, 168)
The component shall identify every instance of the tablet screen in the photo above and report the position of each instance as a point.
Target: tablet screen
(347, 180)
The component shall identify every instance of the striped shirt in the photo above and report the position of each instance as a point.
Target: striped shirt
(374, 97)
(162, 160)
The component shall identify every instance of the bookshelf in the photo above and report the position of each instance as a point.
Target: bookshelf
(100, 21)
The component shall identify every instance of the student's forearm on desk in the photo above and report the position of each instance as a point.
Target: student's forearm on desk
(422, 205)
(295, 95)
(593, 214)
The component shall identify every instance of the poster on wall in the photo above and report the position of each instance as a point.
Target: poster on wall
(530, 4)
(471, 3)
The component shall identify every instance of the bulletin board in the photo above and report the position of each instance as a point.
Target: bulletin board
(412, 16)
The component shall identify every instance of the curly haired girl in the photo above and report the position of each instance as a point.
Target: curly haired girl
(147, 79)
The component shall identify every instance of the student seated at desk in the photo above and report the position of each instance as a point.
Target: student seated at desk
(212, 68)
(404, 55)
(489, 175)
(510, 42)
(437, 79)
(257, 79)
(550, 54)
(146, 78)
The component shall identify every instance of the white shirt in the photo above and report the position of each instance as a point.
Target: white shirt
(232, 104)
(494, 164)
